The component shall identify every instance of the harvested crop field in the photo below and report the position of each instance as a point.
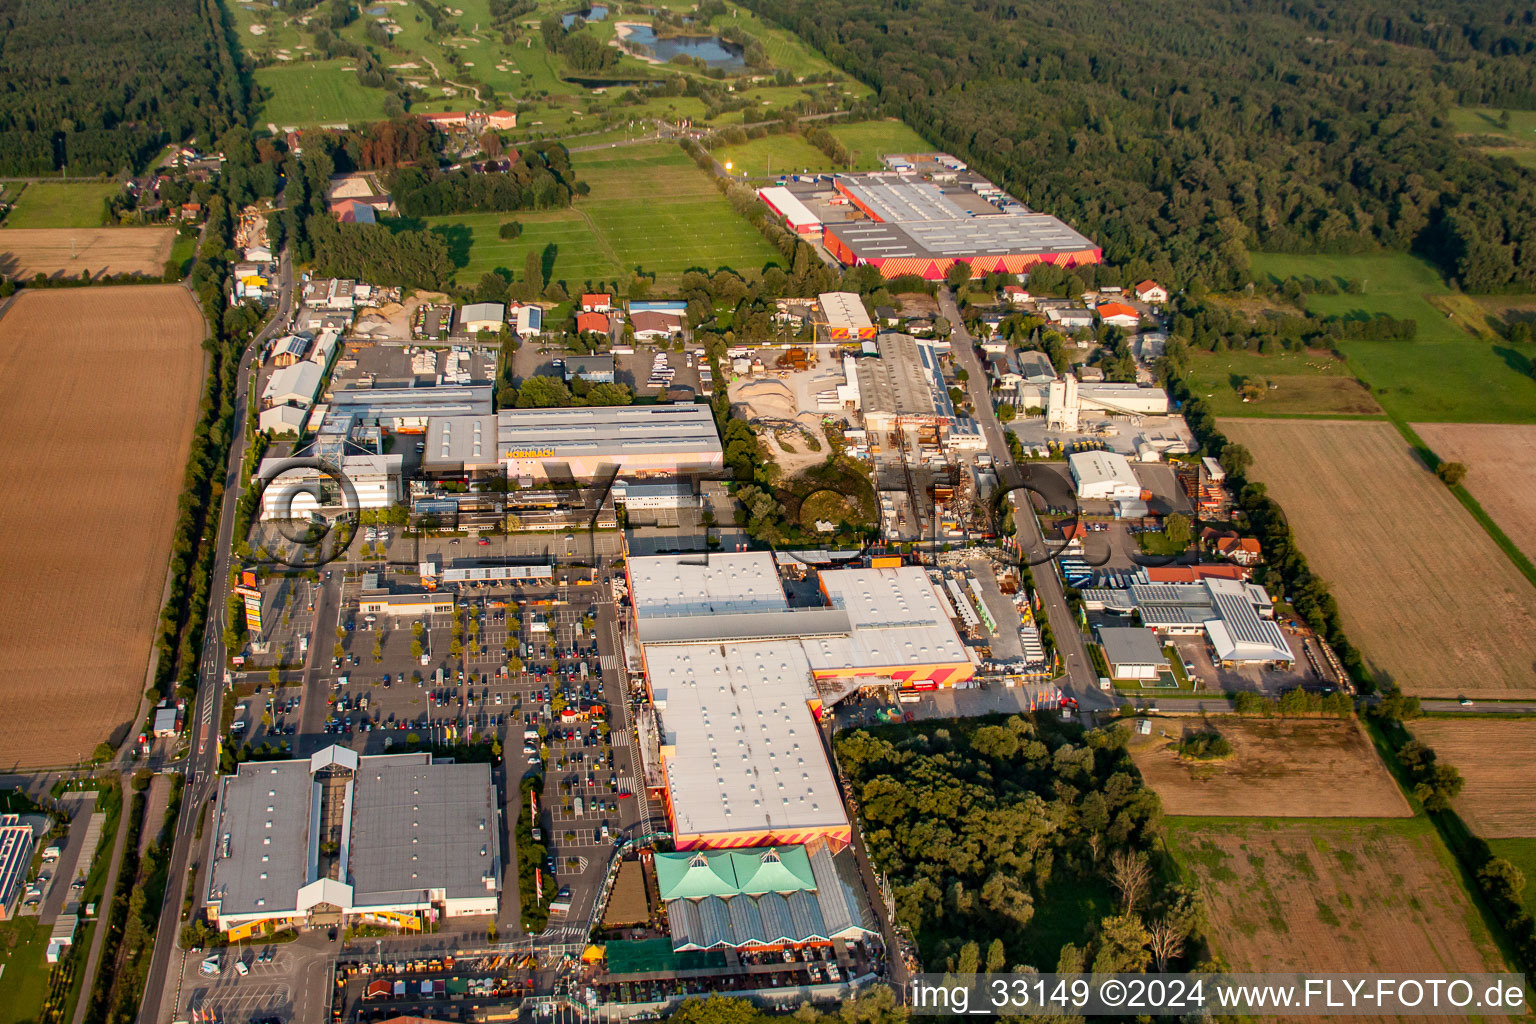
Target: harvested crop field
(1424, 592)
(99, 390)
(1495, 757)
(1279, 767)
(1501, 471)
(1327, 896)
(70, 252)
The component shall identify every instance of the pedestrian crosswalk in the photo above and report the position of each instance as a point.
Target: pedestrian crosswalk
(610, 662)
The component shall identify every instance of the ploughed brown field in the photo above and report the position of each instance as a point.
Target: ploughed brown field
(99, 390)
(1430, 600)
(26, 252)
(1501, 471)
(1279, 767)
(1369, 896)
(1497, 758)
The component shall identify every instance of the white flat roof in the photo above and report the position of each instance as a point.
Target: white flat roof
(741, 746)
(705, 584)
(788, 205)
(844, 309)
(1089, 468)
(897, 620)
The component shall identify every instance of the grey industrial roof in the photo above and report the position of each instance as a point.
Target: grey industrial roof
(900, 381)
(264, 808)
(445, 400)
(1131, 645)
(414, 826)
(619, 429)
(461, 440)
(483, 311)
(789, 623)
(422, 826)
(1035, 365)
(920, 219)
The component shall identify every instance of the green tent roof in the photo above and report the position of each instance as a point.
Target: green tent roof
(775, 869)
(699, 873)
(694, 875)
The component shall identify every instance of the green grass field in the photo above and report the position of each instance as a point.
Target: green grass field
(63, 204)
(868, 140)
(1518, 141)
(25, 980)
(317, 92)
(650, 208)
(1450, 373)
(774, 154)
(1310, 383)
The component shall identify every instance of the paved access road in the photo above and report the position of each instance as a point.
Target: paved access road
(202, 760)
(1081, 680)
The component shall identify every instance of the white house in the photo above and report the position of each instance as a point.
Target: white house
(1151, 293)
(527, 321)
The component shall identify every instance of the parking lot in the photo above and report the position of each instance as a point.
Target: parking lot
(533, 667)
(267, 991)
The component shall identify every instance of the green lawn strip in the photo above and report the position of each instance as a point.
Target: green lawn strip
(1470, 503)
(61, 204)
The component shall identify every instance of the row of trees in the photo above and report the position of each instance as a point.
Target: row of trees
(1180, 136)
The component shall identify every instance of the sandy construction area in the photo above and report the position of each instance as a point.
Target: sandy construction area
(1426, 595)
(1498, 760)
(1501, 471)
(1289, 768)
(99, 389)
(1357, 896)
(75, 251)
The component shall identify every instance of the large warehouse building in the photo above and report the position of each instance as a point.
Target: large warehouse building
(927, 217)
(1237, 618)
(584, 444)
(339, 839)
(1103, 476)
(737, 679)
(795, 214)
(904, 387)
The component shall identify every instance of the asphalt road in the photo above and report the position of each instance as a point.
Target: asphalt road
(1081, 680)
(202, 760)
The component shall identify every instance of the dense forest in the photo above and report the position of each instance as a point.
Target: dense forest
(1181, 135)
(98, 86)
(1031, 836)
